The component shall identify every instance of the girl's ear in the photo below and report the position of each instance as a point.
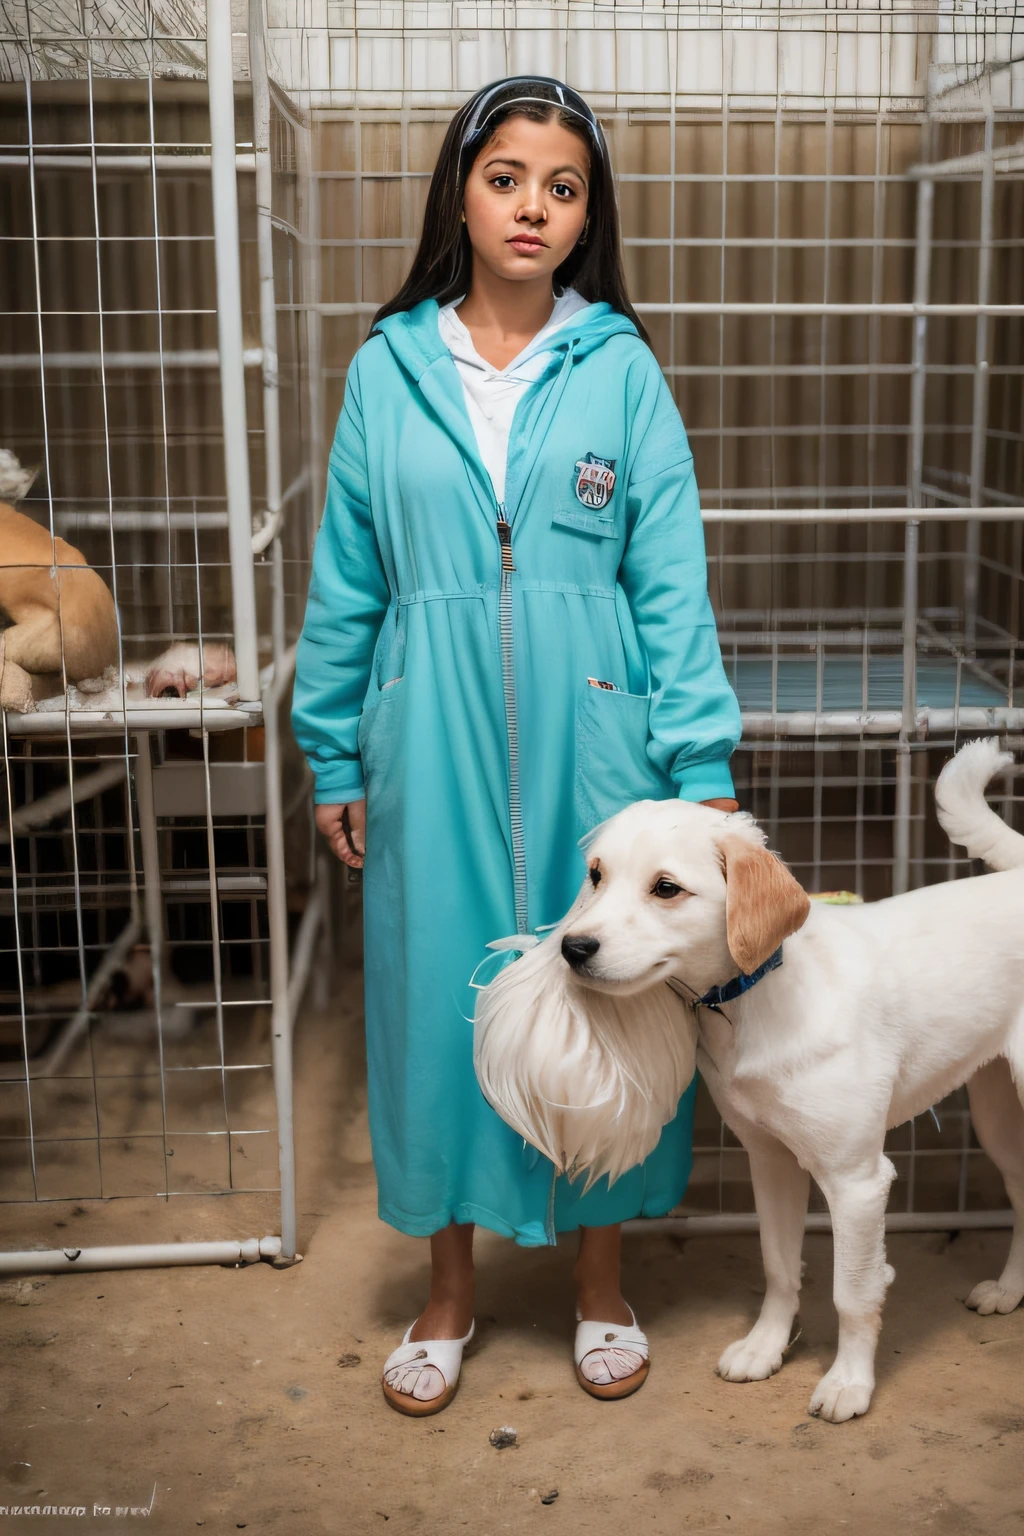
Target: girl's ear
(764, 904)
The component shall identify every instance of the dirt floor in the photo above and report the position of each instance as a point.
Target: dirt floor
(248, 1399)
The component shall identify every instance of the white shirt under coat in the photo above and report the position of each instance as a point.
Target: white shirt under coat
(493, 393)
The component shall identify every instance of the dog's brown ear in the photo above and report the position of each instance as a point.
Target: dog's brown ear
(764, 904)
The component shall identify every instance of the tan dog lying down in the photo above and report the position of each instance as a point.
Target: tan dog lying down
(59, 613)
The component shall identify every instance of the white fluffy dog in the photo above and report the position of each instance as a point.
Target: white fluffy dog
(875, 1013)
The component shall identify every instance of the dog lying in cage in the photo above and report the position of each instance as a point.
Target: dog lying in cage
(55, 608)
(58, 613)
(178, 671)
(842, 1022)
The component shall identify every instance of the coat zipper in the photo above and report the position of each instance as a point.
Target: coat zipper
(509, 685)
(512, 726)
(550, 1222)
(508, 677)
(514, 805)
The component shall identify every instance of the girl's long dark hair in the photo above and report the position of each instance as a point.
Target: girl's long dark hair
(442, 265)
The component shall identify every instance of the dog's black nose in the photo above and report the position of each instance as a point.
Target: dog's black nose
(577, 951)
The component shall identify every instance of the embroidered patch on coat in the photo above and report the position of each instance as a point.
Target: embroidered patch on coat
(595, 478)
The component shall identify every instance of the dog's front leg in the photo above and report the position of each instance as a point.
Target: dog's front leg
(15, 683)
(780, 1194)
(857, 1202)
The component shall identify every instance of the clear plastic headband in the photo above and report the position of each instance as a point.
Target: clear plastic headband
(567, 100)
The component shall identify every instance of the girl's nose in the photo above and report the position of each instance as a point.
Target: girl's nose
(531, 210)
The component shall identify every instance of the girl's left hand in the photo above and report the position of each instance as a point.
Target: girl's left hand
(722, 805)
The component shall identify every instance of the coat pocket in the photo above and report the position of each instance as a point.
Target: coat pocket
(612, 766)
(380, 741)
(380, 723)
(570, 514)
(390, 649)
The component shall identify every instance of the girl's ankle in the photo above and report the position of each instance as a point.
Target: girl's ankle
(444, 1319)
(602, 1303)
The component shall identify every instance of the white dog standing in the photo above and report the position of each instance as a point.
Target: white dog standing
(875, 1013)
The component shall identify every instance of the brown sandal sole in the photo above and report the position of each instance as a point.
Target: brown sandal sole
(413, 1407)
(615, 1389)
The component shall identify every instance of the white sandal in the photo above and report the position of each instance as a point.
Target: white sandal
(404, 1367)
(619, 1346)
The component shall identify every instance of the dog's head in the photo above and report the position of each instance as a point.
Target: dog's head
(586, 1077)
(580, 1045)
(679, 889)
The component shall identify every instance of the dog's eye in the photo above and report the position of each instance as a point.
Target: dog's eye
(595, 876)
(666, 889)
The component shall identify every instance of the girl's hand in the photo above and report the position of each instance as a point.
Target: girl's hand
(328, 821)
(722, 805)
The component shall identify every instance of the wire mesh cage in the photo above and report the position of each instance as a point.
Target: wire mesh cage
(161, 896)
(823, 227)
(823, 230)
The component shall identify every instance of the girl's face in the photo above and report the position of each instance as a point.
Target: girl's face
(526, 199)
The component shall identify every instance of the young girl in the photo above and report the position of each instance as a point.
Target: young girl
(508, 638)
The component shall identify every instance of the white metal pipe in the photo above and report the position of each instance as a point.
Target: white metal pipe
(265, 264)
(820, 1221)
(202, 357)
(1010, 157)
(989, 496)
(140, 522)
(901, 818)
(659, 178)
(308, 189)
(882, 722)
(922, 280)
(169, 715)
(979, 404)
(277, 914)
(801, 311)
(302, 952)
(185, 162)
(324, 967)
(152, 898)
(50, 1261)
(220, 85)
(816, 515)
(908, 724)
(269, 530)
(275, 679)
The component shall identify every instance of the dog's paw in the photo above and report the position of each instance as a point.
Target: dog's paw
(169, 683)
(754, 1358)
(992, 1296)
(838, 1399)
(16, 692)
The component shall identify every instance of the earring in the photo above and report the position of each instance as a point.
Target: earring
(463, 218)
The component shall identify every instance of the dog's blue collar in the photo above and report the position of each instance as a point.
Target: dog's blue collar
(738, 985)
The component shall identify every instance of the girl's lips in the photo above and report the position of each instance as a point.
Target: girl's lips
(524, 244)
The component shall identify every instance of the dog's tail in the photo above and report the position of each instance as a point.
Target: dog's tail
(14, 480)
(965, 817)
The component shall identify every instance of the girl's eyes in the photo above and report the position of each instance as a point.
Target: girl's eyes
(505, 176)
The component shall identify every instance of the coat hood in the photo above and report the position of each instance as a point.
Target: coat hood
(415, 340)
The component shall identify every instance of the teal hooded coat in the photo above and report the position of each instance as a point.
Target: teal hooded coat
(443, 671)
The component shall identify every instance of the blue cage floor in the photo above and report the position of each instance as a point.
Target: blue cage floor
(843, 684)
